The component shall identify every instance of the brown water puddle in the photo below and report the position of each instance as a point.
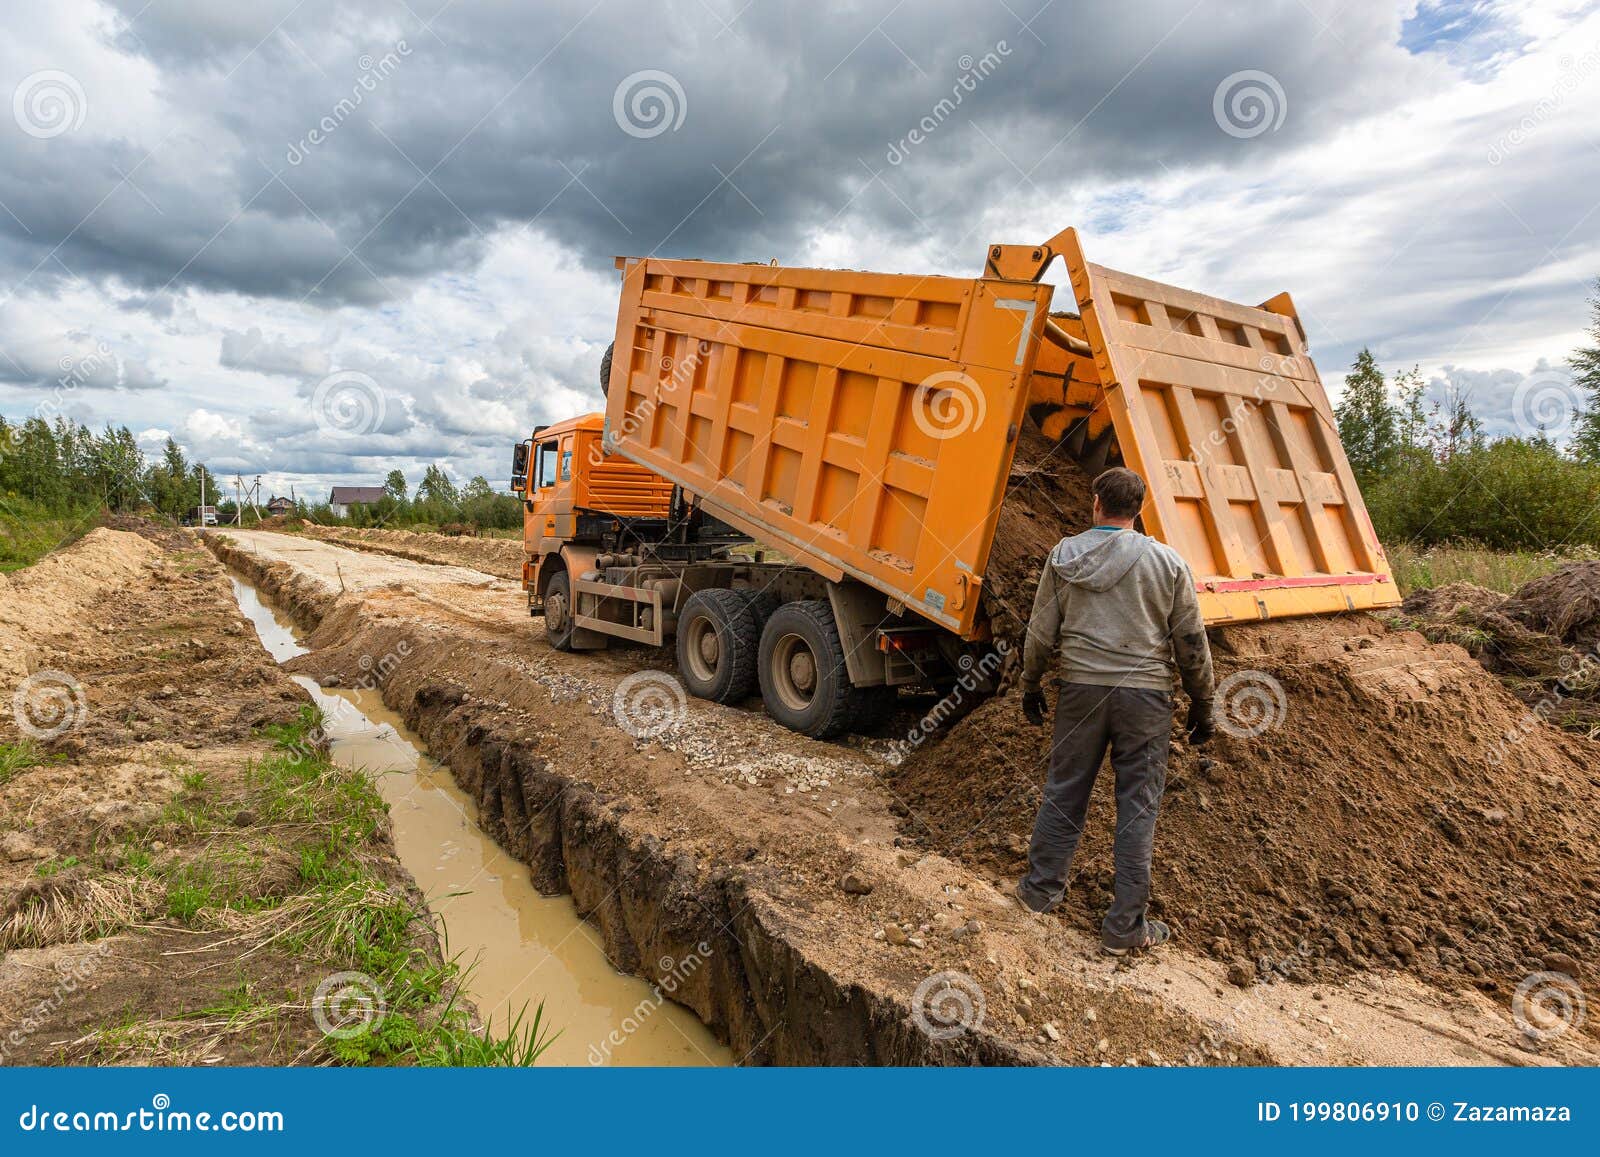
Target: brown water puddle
(527, 947)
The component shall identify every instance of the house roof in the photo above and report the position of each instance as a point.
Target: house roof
(349, 495)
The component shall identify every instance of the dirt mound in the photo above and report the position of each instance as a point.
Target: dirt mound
(1564, 604)
(52, 593)
(1520, 639)
(501, 557)
(1047, 498)
(1398, 813)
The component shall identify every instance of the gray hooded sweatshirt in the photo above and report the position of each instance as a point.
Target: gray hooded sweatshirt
(1121, 609)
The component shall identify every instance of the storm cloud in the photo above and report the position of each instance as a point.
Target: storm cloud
(240, 200)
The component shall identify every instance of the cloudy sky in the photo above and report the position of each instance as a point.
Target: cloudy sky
(319, 239)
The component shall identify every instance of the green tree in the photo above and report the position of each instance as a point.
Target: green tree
(436, 489)
(1368, 425)
(1585, 365)
(394, 485)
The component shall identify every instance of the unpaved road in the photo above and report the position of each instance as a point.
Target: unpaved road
(676, 824)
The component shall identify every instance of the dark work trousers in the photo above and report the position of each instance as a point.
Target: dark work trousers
(1136, 725)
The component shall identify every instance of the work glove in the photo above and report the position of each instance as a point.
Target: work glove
(1033, 707)
(1202, 724)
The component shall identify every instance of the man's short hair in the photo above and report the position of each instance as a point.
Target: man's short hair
(1121, 492)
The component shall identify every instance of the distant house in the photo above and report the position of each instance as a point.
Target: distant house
(344, 497)
(280, 505)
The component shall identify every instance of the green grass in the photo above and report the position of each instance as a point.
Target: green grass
(1504, 571)
(29, 531)
(18, 757)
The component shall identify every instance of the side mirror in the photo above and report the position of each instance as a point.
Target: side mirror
(519, 467)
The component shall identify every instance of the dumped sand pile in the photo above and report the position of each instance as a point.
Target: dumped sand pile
(1047, 497)
(1401, 809)
(1385, 820)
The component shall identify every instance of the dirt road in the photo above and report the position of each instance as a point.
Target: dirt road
(830, 936)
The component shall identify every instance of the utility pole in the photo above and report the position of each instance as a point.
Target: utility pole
(202, 496)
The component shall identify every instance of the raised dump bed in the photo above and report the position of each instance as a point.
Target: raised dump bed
(864, 423)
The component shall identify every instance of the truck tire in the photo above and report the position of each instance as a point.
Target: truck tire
(718, 641)
(558, 611)
(803, 679)
(605, 371)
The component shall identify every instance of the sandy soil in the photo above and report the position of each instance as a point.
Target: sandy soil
(145, 696)
(826, 843)
(501, 557)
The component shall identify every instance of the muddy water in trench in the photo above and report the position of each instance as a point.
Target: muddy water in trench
(527, 947)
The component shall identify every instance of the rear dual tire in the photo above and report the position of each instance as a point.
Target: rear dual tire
(719, 637)
(802, 670)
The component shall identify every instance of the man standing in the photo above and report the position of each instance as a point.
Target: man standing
(1120, 609)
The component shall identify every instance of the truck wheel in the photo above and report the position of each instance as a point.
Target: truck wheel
(718, 638)
(803, 679)
(605, 371)
(558, 611)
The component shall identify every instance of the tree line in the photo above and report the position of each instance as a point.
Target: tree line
(1430, 474)
(63, 469)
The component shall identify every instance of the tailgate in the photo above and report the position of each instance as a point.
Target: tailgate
(1218, 405)
(863, 423)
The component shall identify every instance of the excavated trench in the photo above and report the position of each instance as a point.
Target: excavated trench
(706, 936)
(523, 948)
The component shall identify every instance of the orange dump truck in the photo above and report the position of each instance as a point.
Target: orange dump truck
(863, 425)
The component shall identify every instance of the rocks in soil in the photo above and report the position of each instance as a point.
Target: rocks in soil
(1241, 973)
(855, 884)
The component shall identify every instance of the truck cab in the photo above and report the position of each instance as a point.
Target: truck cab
(577, 499)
